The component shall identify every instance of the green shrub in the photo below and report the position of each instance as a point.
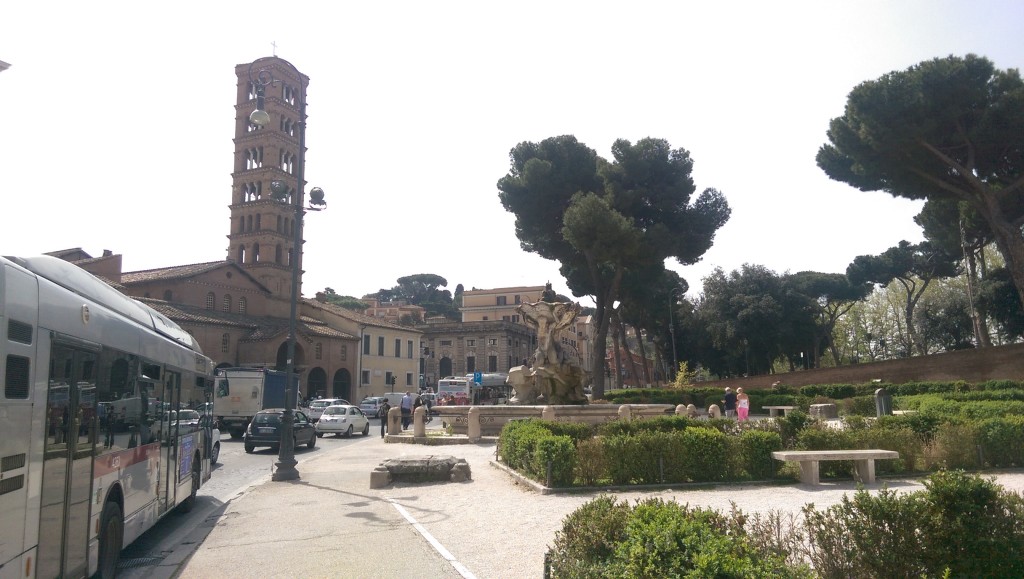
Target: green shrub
(557, 453)
(756, 447)
(588, 538)
(590, 461)
(791, 425)
(659, 539)
(858, 406)
(833, 391)
(908, 443)
(954, 445)
(924, 424)
(659, 424)
(577, 431)
(518, 440)
(1002, 441)
(866, 536)
(825, 438)
(972, 527)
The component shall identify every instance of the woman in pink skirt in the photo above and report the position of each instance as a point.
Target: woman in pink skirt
(742, 404)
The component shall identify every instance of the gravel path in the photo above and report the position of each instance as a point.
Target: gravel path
(498, 527)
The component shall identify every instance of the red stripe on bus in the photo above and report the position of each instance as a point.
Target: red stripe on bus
(115, 461)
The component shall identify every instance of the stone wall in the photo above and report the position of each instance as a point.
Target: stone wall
(977, 365)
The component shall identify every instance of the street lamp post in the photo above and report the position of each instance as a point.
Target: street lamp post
(673, 295)
(279, 190)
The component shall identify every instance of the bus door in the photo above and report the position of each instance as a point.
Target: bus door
(67, 464)
(167, 394)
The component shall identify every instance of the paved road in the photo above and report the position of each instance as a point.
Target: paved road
(235, 473)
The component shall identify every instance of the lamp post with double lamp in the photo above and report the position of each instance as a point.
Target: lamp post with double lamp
(279, 189)
(672, 297)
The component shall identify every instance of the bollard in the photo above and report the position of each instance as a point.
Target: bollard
(548, 480)
(473, 424)
(714, 411)
(625, 413)
(548, 413)
(395, 421)
(419, 423)
(680, 409)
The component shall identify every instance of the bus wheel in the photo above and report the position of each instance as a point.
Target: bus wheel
(111, 538)
(197, 475)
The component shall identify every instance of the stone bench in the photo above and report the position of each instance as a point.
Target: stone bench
(864, 462)
(776, 410)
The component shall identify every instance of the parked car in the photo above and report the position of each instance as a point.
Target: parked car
(343, 420)
(316, 407)
(265, 430)
(372, 405)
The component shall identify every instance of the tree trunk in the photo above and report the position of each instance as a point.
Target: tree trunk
(631, 363)
(1007, 235)
(617, 352)
(646, 367)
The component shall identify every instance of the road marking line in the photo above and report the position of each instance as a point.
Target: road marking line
(433, 542)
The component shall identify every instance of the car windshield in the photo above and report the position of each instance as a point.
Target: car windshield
(188, 415)
(320, 404)
(272, 419)
(331, 410)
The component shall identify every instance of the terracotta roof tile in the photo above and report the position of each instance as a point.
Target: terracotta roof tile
(166, 273)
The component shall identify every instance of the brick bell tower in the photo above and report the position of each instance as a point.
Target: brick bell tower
(261, 235)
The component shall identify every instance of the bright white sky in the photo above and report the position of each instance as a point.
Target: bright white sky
(117, 121)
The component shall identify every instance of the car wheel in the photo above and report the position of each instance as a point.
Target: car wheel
(111, 539)
(249, 447)
(319, 434)
(215, 454)
(312, 442)
(348, 433)
(366, 428)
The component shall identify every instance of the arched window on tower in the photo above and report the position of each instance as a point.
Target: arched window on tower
(241, 254)
(279, 224)
(248, 223)
(258, 222)
(225, 342)
(319, 351)
(243, 304)
(226, 306)
(210, 300)
(255, 253)
(277, 254)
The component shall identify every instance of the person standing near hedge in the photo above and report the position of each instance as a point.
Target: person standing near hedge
(729, 403)
(742, 404)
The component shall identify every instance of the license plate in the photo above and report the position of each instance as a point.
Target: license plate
(266, 431)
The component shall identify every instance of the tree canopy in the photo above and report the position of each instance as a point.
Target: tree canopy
(945, 128)
(600, 218)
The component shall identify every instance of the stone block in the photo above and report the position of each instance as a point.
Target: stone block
(380, 478)
(823, 411)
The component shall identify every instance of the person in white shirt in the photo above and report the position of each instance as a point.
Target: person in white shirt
(406, 410)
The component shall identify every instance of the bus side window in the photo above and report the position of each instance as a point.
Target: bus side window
(222, 388)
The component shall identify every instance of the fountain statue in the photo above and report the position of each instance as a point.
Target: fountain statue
(554, 377)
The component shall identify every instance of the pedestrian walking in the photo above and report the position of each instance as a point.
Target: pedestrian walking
(384, 417)
(729, 403)
(742, 404)
(406, 406)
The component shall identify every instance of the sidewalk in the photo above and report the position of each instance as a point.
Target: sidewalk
(330, 523)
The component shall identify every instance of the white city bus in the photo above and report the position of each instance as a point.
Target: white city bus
(91, 455)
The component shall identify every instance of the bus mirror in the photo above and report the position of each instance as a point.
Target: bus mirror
(222, 388)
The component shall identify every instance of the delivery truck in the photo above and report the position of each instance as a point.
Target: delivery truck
(242, 392)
